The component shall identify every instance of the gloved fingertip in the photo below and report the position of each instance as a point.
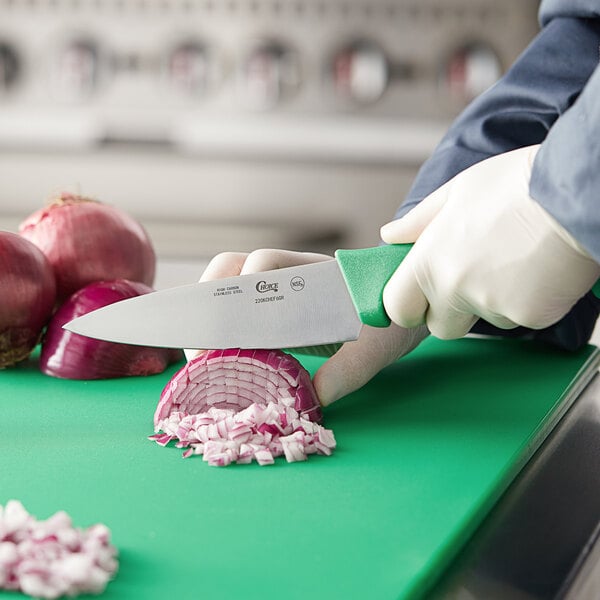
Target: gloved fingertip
(325, 402)
(395, 232)
(191, 353)
(408, 228)
(326, 393)
(326, 396)
(403, 300)
(450, 326)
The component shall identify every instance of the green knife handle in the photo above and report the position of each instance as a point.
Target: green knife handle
(366, 272)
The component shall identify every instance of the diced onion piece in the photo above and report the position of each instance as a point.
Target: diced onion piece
(242, 406)
(51, 558)
(259, 432)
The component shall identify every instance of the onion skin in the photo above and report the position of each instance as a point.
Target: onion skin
(28, 292)
(87, 241)
(68, 355)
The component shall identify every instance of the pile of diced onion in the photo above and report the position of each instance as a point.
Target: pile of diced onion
(259, 432)
(51, 558)
(236, 406)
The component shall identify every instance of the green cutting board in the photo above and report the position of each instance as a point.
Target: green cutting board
(424, 451)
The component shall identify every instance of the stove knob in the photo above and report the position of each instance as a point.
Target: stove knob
(190, 69)
(270, 75)
(360, 72)
(470, 71)
(76, 70)
(9, 67)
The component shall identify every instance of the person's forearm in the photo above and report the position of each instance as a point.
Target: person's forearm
(520, 109)
(566, 174)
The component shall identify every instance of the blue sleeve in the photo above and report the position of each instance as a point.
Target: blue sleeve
(566, 172)
(521, 109)
(581, 9)
(518, 110)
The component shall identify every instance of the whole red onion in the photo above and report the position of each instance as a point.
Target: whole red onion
(72, 356)
(28, 292)
(86, 241)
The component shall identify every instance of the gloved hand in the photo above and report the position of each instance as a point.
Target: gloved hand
(484, 248)
(355, 363)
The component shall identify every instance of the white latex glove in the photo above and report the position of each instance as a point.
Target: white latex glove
(355, 363)
(484, 248)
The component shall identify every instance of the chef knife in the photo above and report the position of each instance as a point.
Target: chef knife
(302, 306)
(296, 307)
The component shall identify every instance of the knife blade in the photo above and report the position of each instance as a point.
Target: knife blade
(302, 306)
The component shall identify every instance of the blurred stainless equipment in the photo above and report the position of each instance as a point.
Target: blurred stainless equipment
(235, 124)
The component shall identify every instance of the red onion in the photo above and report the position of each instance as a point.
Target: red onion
(28, 292)
(234, 379)
(72, 356)
(242, 405)
(51, 558)
(87, 241)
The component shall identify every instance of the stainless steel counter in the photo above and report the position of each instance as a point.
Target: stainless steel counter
(541, 542)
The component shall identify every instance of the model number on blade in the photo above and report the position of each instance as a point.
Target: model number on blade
(268, 299)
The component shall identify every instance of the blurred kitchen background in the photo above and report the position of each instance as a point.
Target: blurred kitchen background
(239, 124)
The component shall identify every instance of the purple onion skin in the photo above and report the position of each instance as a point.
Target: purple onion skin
(27, 297)
(88, 241)
(71, 356)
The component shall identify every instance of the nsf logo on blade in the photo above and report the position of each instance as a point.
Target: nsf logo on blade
(297, 283)
(263, 287)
